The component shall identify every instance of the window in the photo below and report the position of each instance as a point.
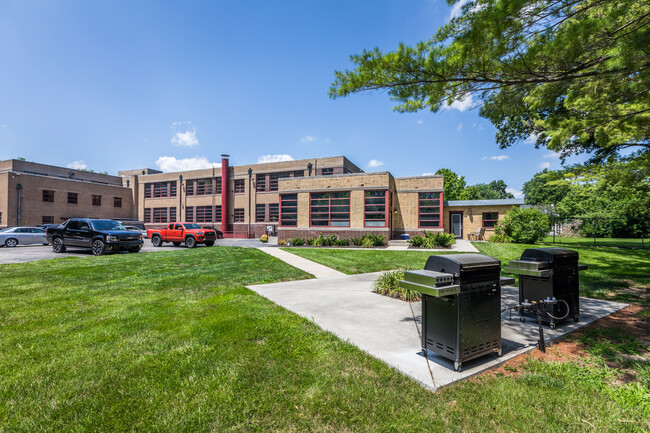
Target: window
(117, 201)
(429, 209)
(172, 214)
(48, 196)
(490, 219)
(203, 186)
(239, 186)
(73, 198)
(160, 215)
(375, 209)
(274, 212)
(97, 200)
(160, 189)
(189, 214)
(273, 179)
(203, 214)
(260, 213)
(299, 173)
(327, 171)
(47, 219)
(147, 215)
(239, 215)
(289, 207)
(330, 209)
(260, 182)
(217, 211)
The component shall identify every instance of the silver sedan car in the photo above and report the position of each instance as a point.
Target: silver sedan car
(22, 236)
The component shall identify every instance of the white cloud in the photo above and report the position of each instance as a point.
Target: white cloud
(373, 163)
(460, 126)
(428, 173)
(460, 104)
(554, 155)
(77, 165)
(515, 192)
(457, 8)
(419, 121)
(496, 158)
(532, 139)
(170, 163)
(308, 139)
(186, 138)
(274, 158)
(544, 165)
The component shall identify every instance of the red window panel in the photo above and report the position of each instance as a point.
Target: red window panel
(490, 219)
(260, 213)
(289, 210)
(172, 214)
(147, 215)
(203, 214)
(274, 212)
(375, 209)
(239, 186)
(330, 209)
(160, 215)
(203, 186)
(189, 214)
(429, 209)
(239, 215)
(147, 190)
(217, 211)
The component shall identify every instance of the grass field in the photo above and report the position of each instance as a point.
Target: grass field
(614, 274)
(174, 342)
(601, 242)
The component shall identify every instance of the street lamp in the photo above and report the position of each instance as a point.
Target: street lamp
(250, 179)
(180, 198)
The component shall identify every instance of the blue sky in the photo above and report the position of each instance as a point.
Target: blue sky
(116, 85)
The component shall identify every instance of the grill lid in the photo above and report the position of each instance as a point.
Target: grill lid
(458, 263)
(554, 256)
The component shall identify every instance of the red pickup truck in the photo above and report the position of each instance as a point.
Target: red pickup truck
(178, 233)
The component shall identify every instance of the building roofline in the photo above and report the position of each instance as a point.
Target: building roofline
(498, 202)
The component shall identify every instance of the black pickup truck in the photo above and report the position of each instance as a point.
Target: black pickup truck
(99, 235)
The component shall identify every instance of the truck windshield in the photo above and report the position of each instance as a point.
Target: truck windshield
(107, 225)
(191, 226)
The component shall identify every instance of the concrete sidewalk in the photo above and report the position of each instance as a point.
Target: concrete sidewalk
(316, 269)
(388, 329)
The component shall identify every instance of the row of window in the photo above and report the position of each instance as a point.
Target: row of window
(193, 187)
(160, 189)
(73, 198)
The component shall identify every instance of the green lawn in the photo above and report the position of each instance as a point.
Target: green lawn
(614, 274)
(174, 342)
(601, 242)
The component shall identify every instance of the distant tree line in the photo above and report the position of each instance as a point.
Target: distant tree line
(456, 188)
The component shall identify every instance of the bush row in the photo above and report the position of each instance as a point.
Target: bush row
(433, 240)
(366, 241)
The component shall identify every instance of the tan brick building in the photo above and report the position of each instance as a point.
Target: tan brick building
(291, 198)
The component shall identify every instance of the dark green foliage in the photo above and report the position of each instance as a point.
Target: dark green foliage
(487, 191)
(523, 226)
(454, 185)
(433, 240)
(369, 240)
(570, 75)
(387, 284)
(296, 242)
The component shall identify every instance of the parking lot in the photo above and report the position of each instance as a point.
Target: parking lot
(29, 253)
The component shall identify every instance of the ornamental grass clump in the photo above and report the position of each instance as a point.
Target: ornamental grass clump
(387, 284)
(433, 240)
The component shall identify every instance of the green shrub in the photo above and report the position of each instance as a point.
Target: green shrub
(356, 241)
(387, 284)
(282, 242)
(498, 239)
(343, 242)
(297, 242)
(367, 243)
(433, 240)
(523, 226)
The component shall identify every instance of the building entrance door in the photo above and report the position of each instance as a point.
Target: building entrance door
(456, 224)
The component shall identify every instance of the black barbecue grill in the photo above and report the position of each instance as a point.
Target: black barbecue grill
(547, 273)
(461, 305)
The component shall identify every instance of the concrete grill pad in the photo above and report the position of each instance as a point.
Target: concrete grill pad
(388, 329)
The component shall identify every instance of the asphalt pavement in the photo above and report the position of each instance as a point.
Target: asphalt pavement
(30, 253)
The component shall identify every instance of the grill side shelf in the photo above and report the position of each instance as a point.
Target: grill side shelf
(529, 272)
(431, 291)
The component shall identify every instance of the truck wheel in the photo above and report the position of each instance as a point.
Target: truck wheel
(58, 246)
(98, 247)
(177, 244)
(11, 243)
(209, 243)
(156, 241)
(190, 242)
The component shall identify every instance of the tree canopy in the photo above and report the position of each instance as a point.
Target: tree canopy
(454, 185)
(570, 74)
(457, 189)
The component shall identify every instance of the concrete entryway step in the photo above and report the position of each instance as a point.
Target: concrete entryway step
(397, 243)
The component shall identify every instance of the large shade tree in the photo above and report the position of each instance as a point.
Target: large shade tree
(572, 74)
